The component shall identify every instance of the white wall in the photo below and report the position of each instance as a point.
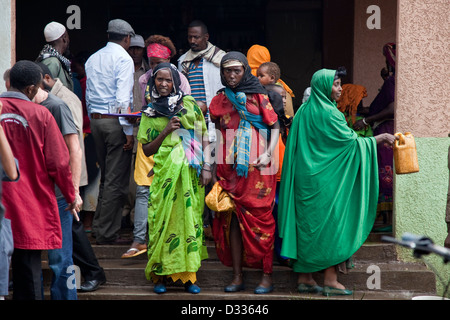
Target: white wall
(6, 41)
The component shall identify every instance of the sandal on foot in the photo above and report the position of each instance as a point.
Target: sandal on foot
(263, 290)
(330, 291)
(192, 288)
(134, 251)
(159, 288)
(307, 288)
(234, 287)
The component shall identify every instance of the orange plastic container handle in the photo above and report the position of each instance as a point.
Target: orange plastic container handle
(401, 139)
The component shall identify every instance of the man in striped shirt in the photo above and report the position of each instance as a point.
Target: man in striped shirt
(201, 66)
(195, 77)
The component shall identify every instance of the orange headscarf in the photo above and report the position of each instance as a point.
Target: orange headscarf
(351, 96)
(256, 56)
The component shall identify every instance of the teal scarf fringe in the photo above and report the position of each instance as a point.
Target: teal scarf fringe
(243, 138)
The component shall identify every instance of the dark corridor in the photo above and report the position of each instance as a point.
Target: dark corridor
(301, 35)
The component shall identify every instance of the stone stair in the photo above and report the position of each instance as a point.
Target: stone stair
(398, 280)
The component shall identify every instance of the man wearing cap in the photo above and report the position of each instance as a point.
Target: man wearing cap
(52, 55)
(110, 80)
(136, 51)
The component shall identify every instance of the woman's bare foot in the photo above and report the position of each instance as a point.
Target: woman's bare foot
(306, 278)
(331, 279)
(334, 284)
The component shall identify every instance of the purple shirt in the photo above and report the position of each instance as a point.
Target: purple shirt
(384, 97)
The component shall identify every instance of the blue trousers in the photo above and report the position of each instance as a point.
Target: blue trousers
(141, 214)
(60, 261)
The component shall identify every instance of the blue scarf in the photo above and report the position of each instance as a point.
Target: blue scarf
(243, 139)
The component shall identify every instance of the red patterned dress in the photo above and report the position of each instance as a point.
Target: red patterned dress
(253, 195)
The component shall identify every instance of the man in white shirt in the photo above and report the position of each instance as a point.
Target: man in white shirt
(110, 79)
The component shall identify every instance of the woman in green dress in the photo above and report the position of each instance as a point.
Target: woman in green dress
(172, 129)
(329, 188)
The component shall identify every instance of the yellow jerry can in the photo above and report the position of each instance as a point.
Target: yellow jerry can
(405, 154)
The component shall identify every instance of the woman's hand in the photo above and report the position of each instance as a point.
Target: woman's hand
(206, 177)
(202, 107)
(207, 173)
(152, 147)
(386, 138)
(173, 125)
(262, 161)
(359, 125)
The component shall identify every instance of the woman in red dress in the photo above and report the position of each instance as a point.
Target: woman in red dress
(249, 134)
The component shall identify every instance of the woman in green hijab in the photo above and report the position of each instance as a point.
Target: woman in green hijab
(329, 187)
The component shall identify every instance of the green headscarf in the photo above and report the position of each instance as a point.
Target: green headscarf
(329, 184)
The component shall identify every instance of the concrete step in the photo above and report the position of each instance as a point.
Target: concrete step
(371, 251)
(397, 281)
(213, 275)
(177, 293)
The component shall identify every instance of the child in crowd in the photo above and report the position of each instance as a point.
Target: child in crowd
(270, 73)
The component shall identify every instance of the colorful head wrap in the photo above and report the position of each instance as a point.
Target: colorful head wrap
(249, 83)
(232, 63)
(169, 105)
(256, 56)
(389, 51)
(157, 50)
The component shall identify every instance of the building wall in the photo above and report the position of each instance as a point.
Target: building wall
(7, 38)
(423, 108)
(424, 67)
(368, 59)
